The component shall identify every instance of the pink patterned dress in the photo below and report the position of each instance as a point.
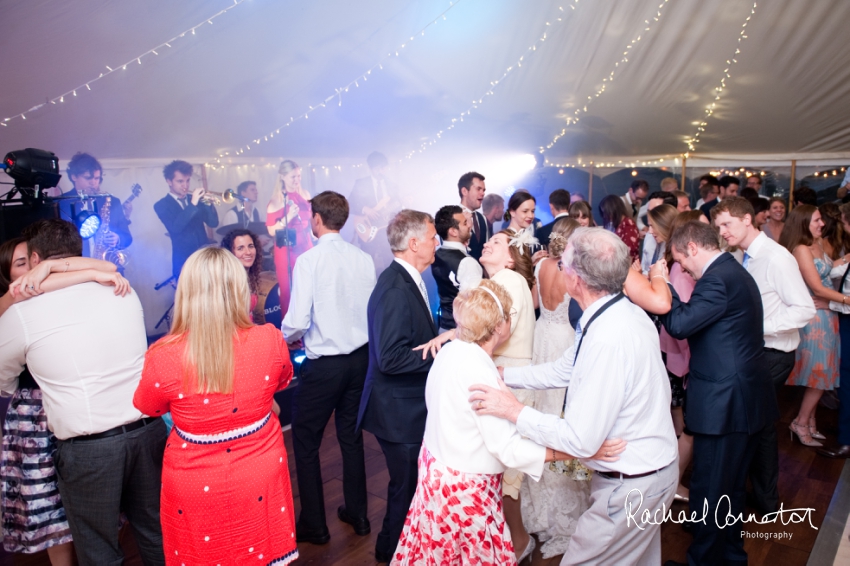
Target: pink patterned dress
(455, 518)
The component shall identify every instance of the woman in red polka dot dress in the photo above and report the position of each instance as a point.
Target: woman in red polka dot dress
(226, 497)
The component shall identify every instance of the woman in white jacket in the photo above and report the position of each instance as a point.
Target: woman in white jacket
(456, 515)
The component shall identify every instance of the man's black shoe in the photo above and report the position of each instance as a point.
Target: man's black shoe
(361, 526)
(842, 451)
(312, 536)
(382, 558)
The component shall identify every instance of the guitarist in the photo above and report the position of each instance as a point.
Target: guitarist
(86, 174)
(374, 201)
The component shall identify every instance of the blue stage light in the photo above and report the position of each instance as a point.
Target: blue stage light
(88, 224)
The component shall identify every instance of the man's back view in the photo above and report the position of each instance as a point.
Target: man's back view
(85, 348)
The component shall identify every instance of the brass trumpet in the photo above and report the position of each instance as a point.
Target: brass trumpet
(227, 197)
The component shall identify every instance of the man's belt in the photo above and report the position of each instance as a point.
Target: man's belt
(620, 475)
(116, 431)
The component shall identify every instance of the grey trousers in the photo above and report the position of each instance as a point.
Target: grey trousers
(605, 535)
(98, 479)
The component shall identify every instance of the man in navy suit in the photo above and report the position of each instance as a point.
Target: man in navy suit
(559, 206)
(184, 216)
(393, 403)
(729, 398)
(471, 189)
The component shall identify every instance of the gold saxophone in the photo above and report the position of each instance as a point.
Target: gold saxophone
(102, 251)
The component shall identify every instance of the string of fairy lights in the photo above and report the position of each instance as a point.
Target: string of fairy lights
(618, 65)
(718, 90)
(560, 18)
(110, 69)
(337, 95)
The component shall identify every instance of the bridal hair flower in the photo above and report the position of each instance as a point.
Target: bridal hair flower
(522, 239)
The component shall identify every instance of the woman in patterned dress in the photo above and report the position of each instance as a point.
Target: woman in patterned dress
(288, 221)
(816, 366)
(614, 218)
(226, 497)
(33, 516)
(456, 514)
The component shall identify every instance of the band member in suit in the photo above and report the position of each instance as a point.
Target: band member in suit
(559, 206)
(375, 198)
(288, 221)
(729, 399)
(393, 403)
(183, 214)
(86, 174)
(245, 212)
(471, 188)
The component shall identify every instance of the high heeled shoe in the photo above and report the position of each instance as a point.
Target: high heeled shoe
(813, 430)
(802, 434)
(528, 549)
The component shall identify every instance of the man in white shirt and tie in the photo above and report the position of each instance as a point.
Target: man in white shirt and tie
(453, 268)
(85, 347)
(617, 388)
(788, 306)
(331, 285)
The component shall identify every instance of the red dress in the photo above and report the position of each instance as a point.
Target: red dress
(628, 232)
(226, 497)
(284, 257)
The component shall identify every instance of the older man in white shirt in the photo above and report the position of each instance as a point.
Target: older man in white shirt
(788, 306)
(85, 347)
(618, 388)
(331, 286)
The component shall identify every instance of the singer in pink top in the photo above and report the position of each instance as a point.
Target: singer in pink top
(288, 222)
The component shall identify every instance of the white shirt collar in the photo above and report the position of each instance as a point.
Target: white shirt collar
(467, 210)
(330, 237)
(175, 197)
(756, 244)
(561, 215)
(712, 260)
(454, 246)
(417, 277)
(591, 310)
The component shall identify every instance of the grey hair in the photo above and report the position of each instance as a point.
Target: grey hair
(405, 225)
(599, 258)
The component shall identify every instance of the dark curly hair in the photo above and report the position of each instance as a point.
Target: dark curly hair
(253, 271)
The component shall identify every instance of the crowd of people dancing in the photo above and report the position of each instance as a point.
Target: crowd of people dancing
(565, 374)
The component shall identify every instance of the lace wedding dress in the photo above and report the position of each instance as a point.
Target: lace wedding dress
(551, 507)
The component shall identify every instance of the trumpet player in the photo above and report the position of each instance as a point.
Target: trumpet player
(86, 174)
(184, 214)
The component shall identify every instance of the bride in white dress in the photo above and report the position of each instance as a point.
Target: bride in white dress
(552, 506)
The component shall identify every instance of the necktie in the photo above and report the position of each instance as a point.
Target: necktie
(424, 292)
(182, 202)
(746, 261)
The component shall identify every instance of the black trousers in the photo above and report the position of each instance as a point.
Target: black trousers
(720, 465)
(329, 384)
(764, 470)
(98, 479)
(844, 390)
(402, 466)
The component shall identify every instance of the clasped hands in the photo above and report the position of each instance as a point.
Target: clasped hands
(500, 402)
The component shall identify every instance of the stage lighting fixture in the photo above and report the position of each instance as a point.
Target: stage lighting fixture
(32, 168)
(87, 222)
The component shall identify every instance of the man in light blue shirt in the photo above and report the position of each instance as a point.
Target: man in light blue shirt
(331, 285)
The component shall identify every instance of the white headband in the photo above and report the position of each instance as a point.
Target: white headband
(495, 298)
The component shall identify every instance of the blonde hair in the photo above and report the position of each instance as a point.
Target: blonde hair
(211, 304)
(477, 313)
(286, 166)
(561, 232)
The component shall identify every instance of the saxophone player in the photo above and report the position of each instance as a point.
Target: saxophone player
(86, 174)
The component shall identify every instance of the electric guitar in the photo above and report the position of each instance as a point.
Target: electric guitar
(365, 228)
(136, 189)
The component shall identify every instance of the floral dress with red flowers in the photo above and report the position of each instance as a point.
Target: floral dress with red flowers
(628, 232)
(454, 518)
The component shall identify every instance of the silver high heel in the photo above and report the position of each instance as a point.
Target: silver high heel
(802, 435)
(813, 430)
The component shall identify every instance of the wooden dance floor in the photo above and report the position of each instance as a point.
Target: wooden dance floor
(806, 480)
